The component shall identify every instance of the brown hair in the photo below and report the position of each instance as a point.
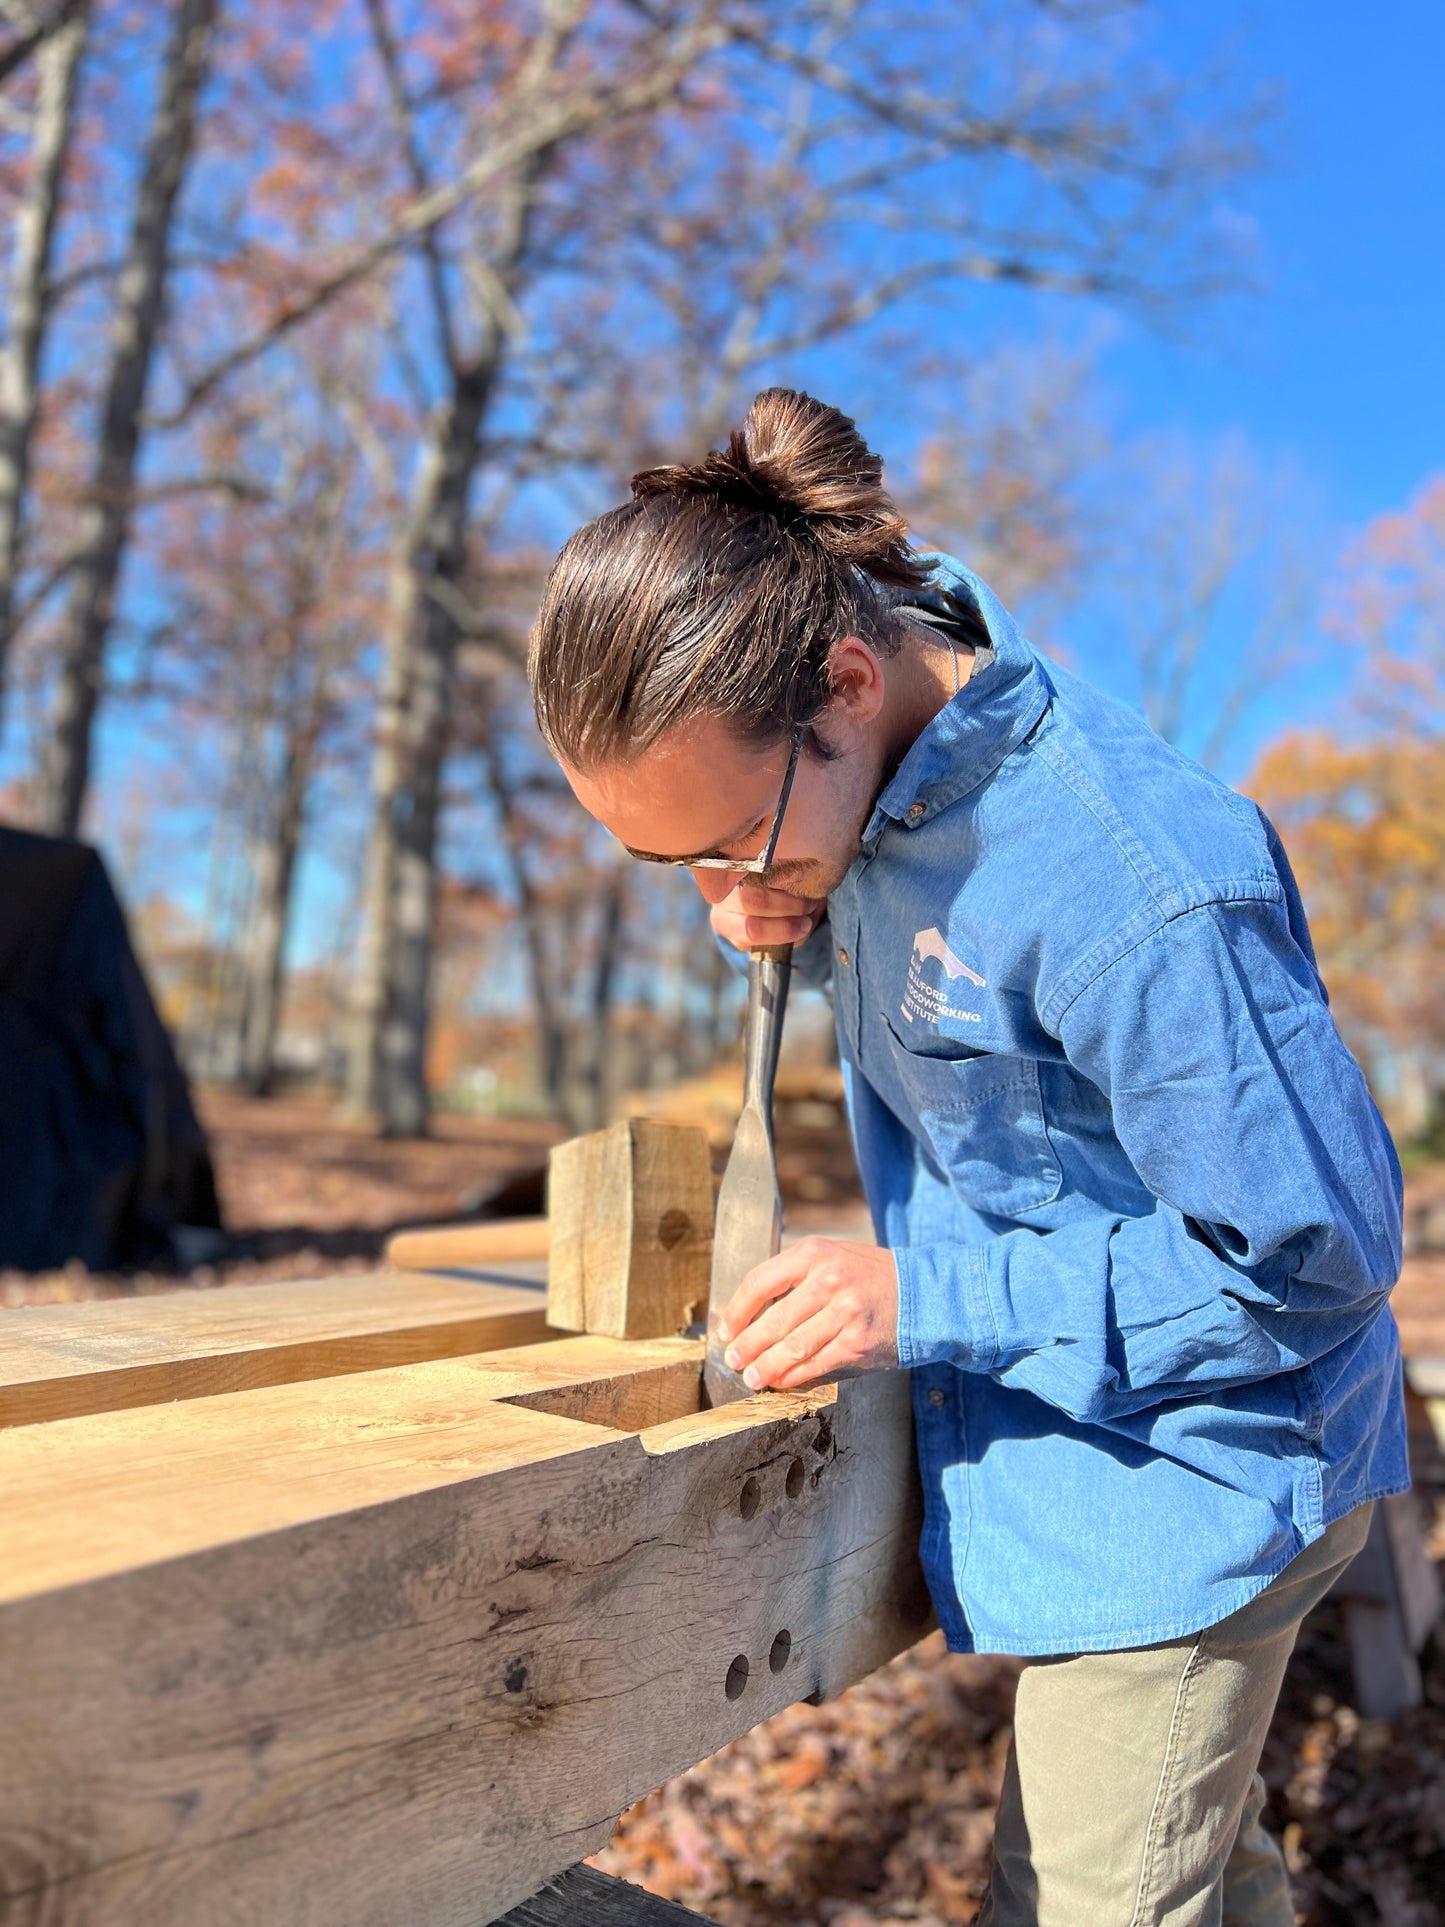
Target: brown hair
(720, 589)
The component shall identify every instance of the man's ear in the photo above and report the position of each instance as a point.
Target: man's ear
(855, 677)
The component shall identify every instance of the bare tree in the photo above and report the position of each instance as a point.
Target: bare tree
(388, 1057)
(61, 48)
(275, 593)
(140, 297)
(1214, 595)
(1009, 475)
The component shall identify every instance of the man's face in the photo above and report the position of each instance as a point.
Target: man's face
(699, 791)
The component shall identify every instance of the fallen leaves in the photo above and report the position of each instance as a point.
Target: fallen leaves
(871, 1811)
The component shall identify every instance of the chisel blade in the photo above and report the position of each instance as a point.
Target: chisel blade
(748, 1230)
(749, 1222)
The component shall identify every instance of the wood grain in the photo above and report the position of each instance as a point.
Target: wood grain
(85, 1498)
(582, 1897)
(58, 1361)
(452, 1247)
(631, 1214)
(391, 1648)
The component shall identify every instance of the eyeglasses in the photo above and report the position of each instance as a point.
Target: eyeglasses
(752, 866)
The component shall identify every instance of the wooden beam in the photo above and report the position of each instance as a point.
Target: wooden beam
(61, 1360)
(402, 1645)
(631, 1215)
(84, 1499)
(454, 1247)
(583, 1897)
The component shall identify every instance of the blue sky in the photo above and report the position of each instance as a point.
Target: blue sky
(1340, 361)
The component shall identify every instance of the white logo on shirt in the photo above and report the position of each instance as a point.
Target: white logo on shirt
(929, 943)
(930, 1002)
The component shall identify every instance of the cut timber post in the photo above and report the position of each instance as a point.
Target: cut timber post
(631, 1215)
(400, 1645)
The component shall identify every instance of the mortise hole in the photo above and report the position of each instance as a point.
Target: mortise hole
(737, 1678)
(796, 1476)
(779, 1651)
(750, 1498)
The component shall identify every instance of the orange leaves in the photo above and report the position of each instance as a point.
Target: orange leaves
(1364, 824)
(1395, 603)
(1363, 816)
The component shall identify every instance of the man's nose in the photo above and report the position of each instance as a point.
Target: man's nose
(717, 884)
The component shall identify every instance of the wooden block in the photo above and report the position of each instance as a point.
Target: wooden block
(631, 1215)
(452, 1247)
(393, 1648)
(60, 1360)
(582, 1897)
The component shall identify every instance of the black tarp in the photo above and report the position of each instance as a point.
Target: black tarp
(101, 1153)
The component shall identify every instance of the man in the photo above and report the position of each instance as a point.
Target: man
(1137, 1215)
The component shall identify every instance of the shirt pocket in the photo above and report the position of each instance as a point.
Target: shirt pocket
(982, 1113)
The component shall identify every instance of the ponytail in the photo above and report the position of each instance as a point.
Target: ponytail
(720, 589)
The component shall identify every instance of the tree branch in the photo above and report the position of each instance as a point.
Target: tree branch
(25, 44)
(563, 121)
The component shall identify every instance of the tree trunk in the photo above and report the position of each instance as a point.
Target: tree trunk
(388, 1059)
(589, 1111)
(140, 300)
(387, 1068)
(58, 63)
(273, 869)
(546, 1004)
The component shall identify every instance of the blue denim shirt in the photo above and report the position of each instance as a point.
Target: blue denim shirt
(1146, 1215)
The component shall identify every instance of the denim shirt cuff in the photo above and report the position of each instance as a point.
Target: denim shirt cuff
(944, 1315)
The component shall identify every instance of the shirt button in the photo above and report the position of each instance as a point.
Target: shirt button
(915, 810)
(937, 1396)
(842, 955)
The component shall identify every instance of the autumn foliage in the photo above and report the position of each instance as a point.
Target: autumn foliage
(1362, 809)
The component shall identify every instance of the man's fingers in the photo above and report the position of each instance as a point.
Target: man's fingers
(761, 1285)
(795, 1357)
(773, 1326)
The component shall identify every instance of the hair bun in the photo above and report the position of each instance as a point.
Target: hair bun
(805, 465)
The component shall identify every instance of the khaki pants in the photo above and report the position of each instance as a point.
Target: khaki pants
(1131, 1796)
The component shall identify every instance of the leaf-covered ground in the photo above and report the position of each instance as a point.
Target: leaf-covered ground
(877, 1809)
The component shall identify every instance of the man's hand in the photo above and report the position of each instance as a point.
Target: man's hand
(820, 1308)
(753, 915)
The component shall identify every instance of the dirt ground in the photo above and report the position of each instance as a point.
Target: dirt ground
(304, 1191)
(877, 1809)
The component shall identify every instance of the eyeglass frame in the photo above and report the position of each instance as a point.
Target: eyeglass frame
(752, 866)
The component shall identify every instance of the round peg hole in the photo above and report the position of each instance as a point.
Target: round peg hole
(737, 1677)
(793, 1484)
(778, 1652)
(750, 1498)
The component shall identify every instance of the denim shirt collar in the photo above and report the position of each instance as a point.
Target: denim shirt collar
(976, 729)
